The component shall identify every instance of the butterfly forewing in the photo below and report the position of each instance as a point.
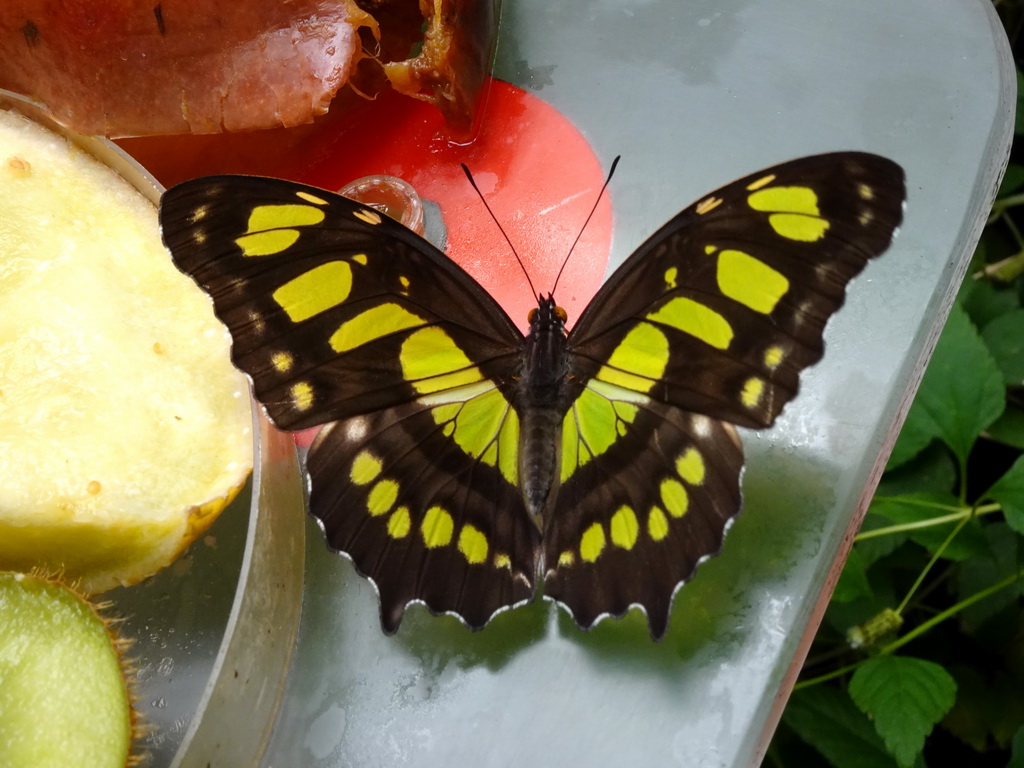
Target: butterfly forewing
(332, 306)
(720, 310)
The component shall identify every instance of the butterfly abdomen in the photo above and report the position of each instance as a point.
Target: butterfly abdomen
(543, 401)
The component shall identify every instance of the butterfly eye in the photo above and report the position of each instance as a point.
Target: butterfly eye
(532, 314)
(560, 314)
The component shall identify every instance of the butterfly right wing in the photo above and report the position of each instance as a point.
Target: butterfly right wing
(343, 317)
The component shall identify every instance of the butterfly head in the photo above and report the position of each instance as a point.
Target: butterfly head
(547, 314)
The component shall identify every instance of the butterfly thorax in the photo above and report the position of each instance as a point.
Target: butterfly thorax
(543, 399)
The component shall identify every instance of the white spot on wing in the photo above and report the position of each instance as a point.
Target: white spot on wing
(701, 426)
(355, 430)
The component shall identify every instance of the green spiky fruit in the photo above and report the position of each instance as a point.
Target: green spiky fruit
(63, 696)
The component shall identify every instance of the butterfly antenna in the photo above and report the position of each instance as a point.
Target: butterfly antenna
(465, 169)
(600, 194)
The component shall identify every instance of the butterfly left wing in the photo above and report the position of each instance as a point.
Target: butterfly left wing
(709, 323)
(422, 518)
(341, 316)
(331, 305)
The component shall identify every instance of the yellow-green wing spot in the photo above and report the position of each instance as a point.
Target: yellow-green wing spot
(670, 277)
(374, 323)
(282, 361)
(639, 360)
(311, 198)
(674, 497)
(690, 466)
(761, 182)
(708, 204)
(750, 281)
(302, 396)
(431, 361)
(592, 543)
(793, 212)
(437, 528)
(482, 423)
(695, 319)
(752, 392)
(315, 291)
(368, 216)
(382, 497)
(599, 416)
(272, 228)
(773, 356)
(400, 523)
(473, 545)
(624, 528)
(365, 468)
(657, 524)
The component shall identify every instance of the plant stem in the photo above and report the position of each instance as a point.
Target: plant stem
(931, 563)
(917, 631)
(951, 611)
(960, 514)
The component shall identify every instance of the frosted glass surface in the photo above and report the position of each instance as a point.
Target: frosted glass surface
(692, 94)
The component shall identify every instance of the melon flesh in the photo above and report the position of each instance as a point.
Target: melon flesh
(124, 429)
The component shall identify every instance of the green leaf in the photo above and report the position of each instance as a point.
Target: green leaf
(918, 431)
(984, 301)
(1018, 126)
(962, 390)
(1004, 337)
(931, 471)
(977, 707)
(905, 697)
(917, 508)
(875, 548)
(978, 573)
(1008, 429)
(1008, 491)
(853, 580)
(1017, 750)
(827, 719)
(1012, 180)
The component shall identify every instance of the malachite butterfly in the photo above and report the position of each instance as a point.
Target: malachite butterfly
(464, 465)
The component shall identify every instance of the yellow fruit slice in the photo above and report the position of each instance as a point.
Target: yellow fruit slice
(63, 696)
(124, 429)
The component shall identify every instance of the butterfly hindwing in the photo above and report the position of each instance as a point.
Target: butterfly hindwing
(424, 501)
(634, 516)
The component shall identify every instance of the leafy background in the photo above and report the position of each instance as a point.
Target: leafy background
(920, 658)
